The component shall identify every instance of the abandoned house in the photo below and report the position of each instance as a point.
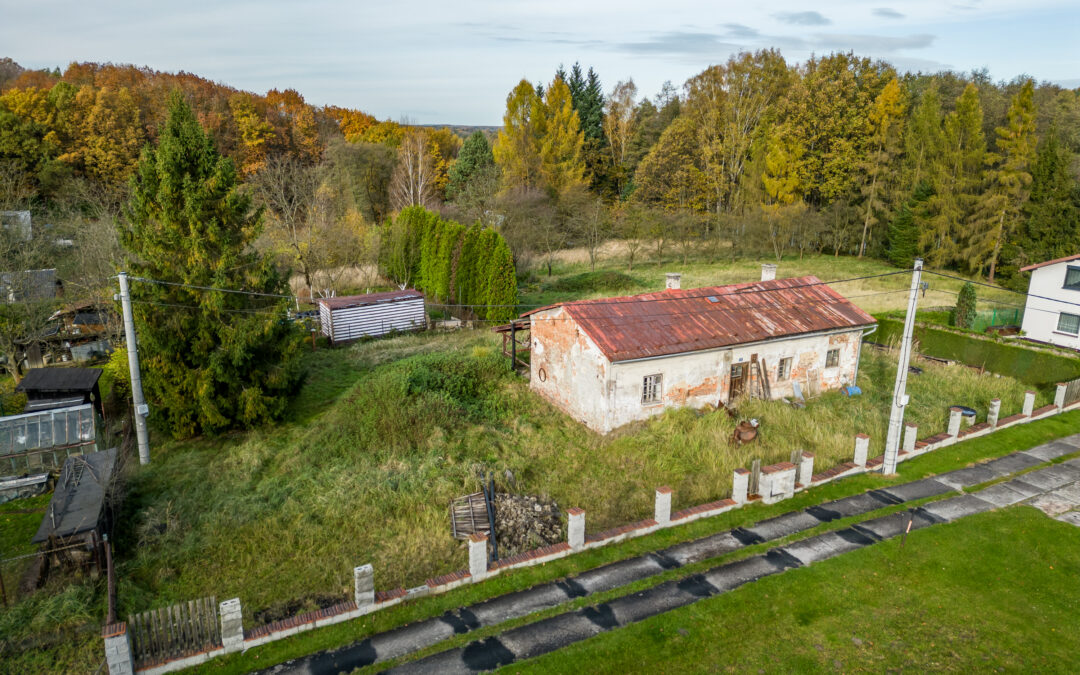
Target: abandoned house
(611, 361)
(353, 317)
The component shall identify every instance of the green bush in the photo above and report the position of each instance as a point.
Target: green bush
(964, 317)
(607, 280)
(1032, 366)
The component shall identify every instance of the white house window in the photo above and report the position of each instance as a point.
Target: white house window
(1069, 323)
(783, 372)
(1072, 278)
(652, 388)
(832, 358)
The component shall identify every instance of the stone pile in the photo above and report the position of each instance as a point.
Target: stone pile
(525, 522)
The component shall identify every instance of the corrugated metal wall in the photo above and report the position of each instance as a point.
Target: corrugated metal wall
(353, 323)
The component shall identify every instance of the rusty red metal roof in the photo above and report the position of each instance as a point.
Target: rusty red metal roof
(369, 299)
(1036, 266)
(677, 321)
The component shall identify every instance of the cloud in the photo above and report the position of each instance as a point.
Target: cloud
(887, 13)
(803, 18)
(680, 43)
(739, 30)
(874, 43)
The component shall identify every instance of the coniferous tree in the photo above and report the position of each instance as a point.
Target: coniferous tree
(474, 158)
(225, 359)
(964, 314)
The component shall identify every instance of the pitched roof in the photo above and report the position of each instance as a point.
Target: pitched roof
(1036, 266)
(678, 321)
(59, 379)
(369, 299)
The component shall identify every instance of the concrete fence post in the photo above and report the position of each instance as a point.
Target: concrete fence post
(740, 486)
(232, 625)
(364, 586)
(118, 649)
(478, 557)
(1059, 395)
(663, 506)
(806, 469)
(862, 449)
(955, 414)
(911, 433)
(1029, 403)
(994, 413)
(575, 528)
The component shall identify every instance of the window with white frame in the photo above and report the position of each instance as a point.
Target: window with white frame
(832, 358)
(1069, 323)
(652, 388)
(1072, 278)
(783, 371)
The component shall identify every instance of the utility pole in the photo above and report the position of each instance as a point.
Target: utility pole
(900, 398)
(141, 409)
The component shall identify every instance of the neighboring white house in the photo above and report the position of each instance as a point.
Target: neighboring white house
(352, 317)
(1054, 316)
(612, 361)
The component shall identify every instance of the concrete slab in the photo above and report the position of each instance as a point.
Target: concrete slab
(972, 475)
(1073, 440)
(703, 549)
(1074, 463)
(451, 662)
(856, 505)
(667, 596)
(823, 546)
(1072, 518)
(1009, 464)
(1002, 495)
(920, 489)
(782, 526)
(957, 507)
(553, 633)
(619, 573)
(1052, 450)
(522, 603)
(1052, 477)
(733, 575)
(407, 639)
(895, 524)
(1026, 489)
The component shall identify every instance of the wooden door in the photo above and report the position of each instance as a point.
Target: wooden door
(738, 380)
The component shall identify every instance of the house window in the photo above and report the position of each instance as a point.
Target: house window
(832, 358)
(783, 372)
(652, 388)
(1072, 278)
(1069, 323)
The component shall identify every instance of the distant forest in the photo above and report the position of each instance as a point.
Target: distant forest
(752, 157)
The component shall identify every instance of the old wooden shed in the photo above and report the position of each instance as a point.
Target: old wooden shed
(352, 317)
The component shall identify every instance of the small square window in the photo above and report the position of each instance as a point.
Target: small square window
(1072, 278)
(1069, 323)
(652, 388)
(832, 358)
(783, 371)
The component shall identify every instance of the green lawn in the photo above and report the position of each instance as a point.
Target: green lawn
(996, 591)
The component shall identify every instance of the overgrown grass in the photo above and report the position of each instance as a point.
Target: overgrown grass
(990, 592)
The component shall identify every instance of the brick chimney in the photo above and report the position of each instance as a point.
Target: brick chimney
(768, 271)
(674, 281)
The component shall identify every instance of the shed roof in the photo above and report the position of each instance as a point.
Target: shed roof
(1068, 258)
(346, 301)
(677, 321)
(79, 500)
(60, 379)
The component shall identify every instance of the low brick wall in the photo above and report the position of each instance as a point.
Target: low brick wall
(779, 480)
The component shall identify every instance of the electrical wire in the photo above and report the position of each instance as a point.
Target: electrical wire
(1001, 288)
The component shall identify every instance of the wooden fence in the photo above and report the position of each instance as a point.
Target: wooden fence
(1072, 391)
(174, 632)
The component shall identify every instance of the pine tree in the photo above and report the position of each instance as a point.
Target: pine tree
(225, 359)
(999, 209)
(475, 156)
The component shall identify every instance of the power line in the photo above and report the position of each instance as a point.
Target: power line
(211, 288)
(1002, 288)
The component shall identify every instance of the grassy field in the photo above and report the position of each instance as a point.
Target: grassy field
(572, 279)
(992, 592)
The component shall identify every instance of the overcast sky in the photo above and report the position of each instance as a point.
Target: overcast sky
(455, 62)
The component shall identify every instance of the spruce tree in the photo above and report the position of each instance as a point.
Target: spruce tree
(475, 156)
(212, 360)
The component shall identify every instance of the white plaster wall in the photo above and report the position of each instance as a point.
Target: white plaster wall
(575, 371)
(1041, 316)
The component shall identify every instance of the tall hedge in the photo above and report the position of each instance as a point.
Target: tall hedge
(455, 264)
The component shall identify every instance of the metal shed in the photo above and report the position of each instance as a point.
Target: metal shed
(355, 316)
